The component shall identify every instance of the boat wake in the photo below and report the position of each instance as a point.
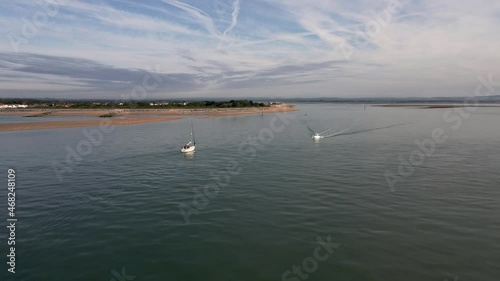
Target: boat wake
(344, 133)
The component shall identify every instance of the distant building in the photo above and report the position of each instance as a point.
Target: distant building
(2, 106)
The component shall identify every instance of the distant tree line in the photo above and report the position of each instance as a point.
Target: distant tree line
(86, 104)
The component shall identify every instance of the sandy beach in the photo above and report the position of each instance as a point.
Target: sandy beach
(122, 117)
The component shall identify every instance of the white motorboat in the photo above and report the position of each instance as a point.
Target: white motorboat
(321, 135)
(317, 136)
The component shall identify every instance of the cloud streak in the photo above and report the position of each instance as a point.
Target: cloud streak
(198, 14)
(234, 17)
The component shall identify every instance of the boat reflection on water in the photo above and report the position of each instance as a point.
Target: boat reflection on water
(189, 155)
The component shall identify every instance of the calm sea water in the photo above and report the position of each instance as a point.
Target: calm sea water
(118, 212)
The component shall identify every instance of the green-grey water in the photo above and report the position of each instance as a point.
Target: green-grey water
(118, 208)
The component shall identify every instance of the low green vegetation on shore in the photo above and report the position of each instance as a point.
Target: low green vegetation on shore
(32, 103)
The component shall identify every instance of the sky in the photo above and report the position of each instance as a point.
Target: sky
(161, 49)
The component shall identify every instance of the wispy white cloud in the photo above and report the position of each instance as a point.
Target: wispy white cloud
(234, 17)
(198, 14)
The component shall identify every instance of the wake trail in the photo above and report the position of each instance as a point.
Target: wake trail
(367, 130)
(309, 128)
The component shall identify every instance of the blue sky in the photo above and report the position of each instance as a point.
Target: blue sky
(242, 48)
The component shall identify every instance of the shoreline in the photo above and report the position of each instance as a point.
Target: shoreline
(122, 117)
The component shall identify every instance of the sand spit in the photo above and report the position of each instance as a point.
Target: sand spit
(125, 112)
(123, 117)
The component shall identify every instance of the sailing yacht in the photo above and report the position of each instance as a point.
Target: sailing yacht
(191, 145)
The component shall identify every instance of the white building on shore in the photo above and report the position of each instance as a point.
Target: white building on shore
(2, 106)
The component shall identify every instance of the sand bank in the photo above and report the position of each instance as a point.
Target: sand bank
(123, 117)
(156, 112)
